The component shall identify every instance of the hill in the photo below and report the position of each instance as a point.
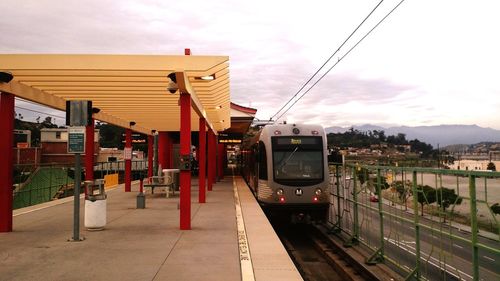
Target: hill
(443, 134)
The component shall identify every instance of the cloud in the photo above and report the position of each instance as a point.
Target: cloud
(404, 73)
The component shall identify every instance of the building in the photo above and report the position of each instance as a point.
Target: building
(54, 146)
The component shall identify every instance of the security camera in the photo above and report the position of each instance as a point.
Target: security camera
(6, 76)
(172, 85)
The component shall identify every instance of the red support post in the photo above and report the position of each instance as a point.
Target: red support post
(150, 155)
(185, 150)
(128, 162)
(165, 147)
(214, 148)
(162, 149)
(220, 160)
(202, 160)
(89, 152)
(7, 162)
(210, 160)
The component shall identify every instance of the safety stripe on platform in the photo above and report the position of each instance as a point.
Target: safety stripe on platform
(246, 266)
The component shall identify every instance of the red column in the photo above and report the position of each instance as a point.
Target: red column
(150, 155)
(202, 160)
(210, 160)
(7, 162)
(170, 153)
(162, 149)
(220, 159)
(214, 148)
(185, 149)
(128, 163)
(165, 147)
(89, 151)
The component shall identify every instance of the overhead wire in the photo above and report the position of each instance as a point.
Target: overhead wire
(341, 58)
(36, 111)
(329, 59)
(44, 113)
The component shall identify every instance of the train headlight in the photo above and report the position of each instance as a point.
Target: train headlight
(279, 192)
(318, 191)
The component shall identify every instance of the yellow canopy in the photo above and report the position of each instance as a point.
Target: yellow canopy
(126, 87)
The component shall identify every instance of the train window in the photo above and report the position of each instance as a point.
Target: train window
(297, 159)
(262, 161)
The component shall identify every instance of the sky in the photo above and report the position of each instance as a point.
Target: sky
(428, 63)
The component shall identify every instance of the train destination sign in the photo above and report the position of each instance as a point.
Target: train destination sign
(298, 140)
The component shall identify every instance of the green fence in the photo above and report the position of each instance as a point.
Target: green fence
(43, 184)
(429, 224)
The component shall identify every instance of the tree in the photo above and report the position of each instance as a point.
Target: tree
(425, 195)
(446, 197)
(491, 167)
(362, 175)
(404, 190)
(111, 136)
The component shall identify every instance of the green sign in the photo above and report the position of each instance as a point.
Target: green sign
(76, 140)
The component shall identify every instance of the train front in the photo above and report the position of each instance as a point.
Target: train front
(298, 171)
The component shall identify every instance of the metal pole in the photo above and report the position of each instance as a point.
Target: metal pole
(380, 213)
(473, 224)
(155, 164)
(76, 199)
(337, 183)
(355, 207)
(416, 271)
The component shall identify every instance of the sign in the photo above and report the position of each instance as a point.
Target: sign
(76, 140)
(127, 153)
(231, 138)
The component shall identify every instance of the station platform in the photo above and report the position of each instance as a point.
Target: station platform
(146, 244)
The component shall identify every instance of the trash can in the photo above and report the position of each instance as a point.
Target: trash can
(172, 175)
(95, 205)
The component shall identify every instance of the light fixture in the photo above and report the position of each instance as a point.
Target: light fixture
(218, 107)
(6, 76)
(132, 123)
(206, 77)
(95, 110)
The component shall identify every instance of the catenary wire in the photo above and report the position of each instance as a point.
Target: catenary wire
(328, 60)
(44, 113)
(341, 58)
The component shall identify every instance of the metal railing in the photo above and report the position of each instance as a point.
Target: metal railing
(35, 184)
(41, 183)
(118, 167)
(429, 224)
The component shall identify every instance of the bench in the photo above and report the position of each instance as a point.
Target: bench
(159, 181)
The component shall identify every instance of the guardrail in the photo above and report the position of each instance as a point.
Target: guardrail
(35, 184)
(429, 224)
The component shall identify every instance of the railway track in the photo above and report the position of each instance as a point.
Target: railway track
(318, 257)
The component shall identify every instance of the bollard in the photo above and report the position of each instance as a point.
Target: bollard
(141, 198)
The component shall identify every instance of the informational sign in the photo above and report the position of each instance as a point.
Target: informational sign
(76, 140)
(230, 138)
(127, 153)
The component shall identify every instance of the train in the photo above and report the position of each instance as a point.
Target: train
(285, 166)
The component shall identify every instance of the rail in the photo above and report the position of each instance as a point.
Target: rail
(429, 224)
(35, 184)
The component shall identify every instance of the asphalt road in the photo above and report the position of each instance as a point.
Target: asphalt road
(442, 258)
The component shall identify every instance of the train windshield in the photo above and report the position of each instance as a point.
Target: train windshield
(297, 158)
